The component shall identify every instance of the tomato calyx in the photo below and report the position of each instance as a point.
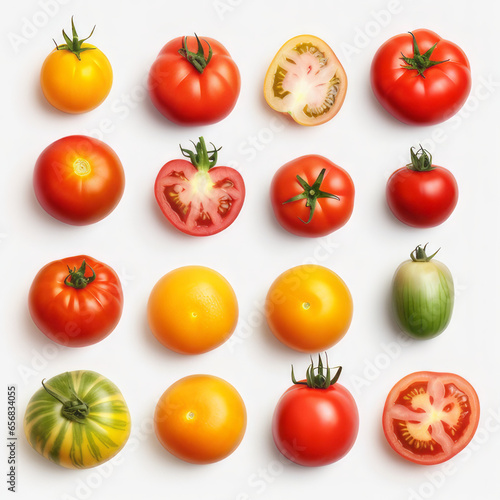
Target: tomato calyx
(419, 255)
(311, 194)
(203, 160)
(74, 45)
(322, 379)
(197, 59)
(74, 408)
(76, 277)
(421, 161)
(420, 62)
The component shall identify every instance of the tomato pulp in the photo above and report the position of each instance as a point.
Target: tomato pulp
(197, 197)
(430, 417)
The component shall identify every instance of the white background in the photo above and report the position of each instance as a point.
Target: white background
(141, 246)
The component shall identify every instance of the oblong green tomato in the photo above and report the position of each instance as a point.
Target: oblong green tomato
(422, 296)
(77, 420)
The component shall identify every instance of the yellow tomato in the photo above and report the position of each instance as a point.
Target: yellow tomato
(192, 310)
(309, 308)
(76, 77)
(200, 419)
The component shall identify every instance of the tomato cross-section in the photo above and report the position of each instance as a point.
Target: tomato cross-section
(195, 196)
(430, 417)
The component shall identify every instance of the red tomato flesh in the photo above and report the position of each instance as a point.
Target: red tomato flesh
(199, 201)
(430, 417)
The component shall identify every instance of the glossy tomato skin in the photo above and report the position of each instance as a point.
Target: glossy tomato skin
(429, 417)
(411, 98)
(422, 199)
(78, 180)
(76, 317)
(329, 214)
(192, 310)
(314, 427)
(200, 419)
(309, 308)
(187, 97)
(90, 442)
(76, 86)
(224, 189)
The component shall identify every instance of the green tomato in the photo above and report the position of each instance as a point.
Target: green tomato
(422, 295)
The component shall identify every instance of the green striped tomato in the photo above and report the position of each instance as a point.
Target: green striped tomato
(422, 295)
(77, 420)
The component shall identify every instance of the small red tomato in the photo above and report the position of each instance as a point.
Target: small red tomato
(190, 88)
(316, 421)
(78, 180)
(430, 417)
(76, 301)
(420, 78)
(422, 194)
(311, 196)
(197, 197)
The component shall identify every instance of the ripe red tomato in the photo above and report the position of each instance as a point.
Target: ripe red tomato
(197, 197)
(190, 88)
(422, 194)
(311, 196)
(78, 180)
(420, 78)
(430, 417)
(316, 421)
(76, 301)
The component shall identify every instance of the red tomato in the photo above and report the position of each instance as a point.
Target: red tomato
(430, 417)
(78, 180)
(195, 196)
(315, 422)
(422, 194)
(191, 88)
(420, 78)
(76, 301)
(311, 196)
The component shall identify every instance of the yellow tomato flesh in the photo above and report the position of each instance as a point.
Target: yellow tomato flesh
(306, 81)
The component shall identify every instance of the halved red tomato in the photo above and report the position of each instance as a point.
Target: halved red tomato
(306, 81)
(430, 417)
(197, 197)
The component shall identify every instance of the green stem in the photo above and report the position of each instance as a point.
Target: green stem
(201, 158)
(311, 194)
(419, 255)
(322, 379)
(421, 161)
(74, 45)
(420, 62)
(197, 59)
(73, 409)
(76, 277)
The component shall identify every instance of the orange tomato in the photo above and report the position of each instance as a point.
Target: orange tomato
(309, 308)
(192, 310)
(78, 180)
(76, 77)
(200, 419)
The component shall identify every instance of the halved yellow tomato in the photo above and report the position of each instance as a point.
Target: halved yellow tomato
(306, 81)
